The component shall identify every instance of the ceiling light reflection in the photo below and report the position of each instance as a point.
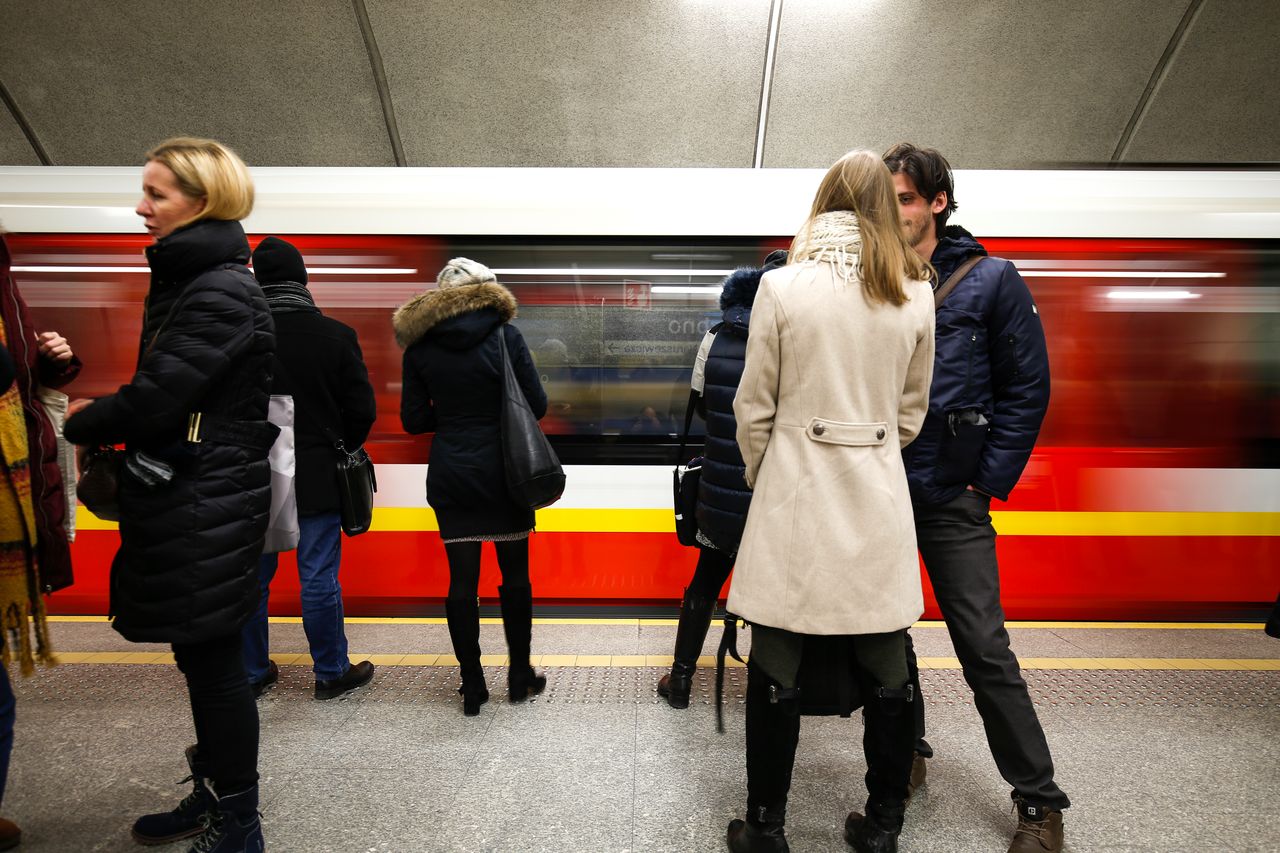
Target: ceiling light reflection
(1152, 295)
(692, 290)
(609, 271)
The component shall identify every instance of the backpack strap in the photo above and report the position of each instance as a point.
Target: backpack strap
(949, 285)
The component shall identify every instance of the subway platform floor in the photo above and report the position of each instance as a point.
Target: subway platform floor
(1166, 738)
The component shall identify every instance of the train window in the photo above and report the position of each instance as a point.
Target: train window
(1154, 345)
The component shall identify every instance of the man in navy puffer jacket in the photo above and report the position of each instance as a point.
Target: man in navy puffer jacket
(989, 395)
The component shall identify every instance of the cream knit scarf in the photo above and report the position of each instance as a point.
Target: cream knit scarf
(833, 238)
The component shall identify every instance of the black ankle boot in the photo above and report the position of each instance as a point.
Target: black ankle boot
(761, 833)
(695, 619)
(888, 741)
(185, 820)
(474, 691)
(463, 616)
(517, 625)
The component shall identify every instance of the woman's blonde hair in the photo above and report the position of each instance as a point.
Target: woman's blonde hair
(209, 170)
(860, 182)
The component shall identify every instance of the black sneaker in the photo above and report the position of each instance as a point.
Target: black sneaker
(272, 676)
(357, 675)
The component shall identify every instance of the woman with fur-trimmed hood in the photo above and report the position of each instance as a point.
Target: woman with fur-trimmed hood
(723, 494)
(453, 377)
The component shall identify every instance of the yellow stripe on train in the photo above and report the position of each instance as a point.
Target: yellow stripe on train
(564, 520)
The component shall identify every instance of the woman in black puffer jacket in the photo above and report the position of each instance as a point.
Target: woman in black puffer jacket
(453, 377)
(195, 490)
(723, 495)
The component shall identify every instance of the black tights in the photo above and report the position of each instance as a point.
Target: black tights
(224, 711)
(464, 566)
(712, 571)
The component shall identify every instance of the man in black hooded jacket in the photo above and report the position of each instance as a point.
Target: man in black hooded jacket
(319, 364)
(988, 398)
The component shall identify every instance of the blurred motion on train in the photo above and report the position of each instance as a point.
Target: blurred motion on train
(1152, 491)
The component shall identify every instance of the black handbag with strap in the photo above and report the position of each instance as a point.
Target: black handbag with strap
(99, 485)
(356, 484)
(535, 477)
(827, 685)
(685, 480)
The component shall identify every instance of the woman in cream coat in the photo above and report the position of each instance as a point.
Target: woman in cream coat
(836, 383)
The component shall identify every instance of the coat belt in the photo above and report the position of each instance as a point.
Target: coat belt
(255, 435)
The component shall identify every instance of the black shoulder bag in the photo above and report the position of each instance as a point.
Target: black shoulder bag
(684, 484)
(356, 485)
(101, 468)
(534, 475)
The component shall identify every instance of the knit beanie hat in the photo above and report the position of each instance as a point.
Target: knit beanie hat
(462, 271)
(775, 259)
(278, 260)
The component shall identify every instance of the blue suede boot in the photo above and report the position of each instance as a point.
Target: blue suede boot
(235, 827)
(185, 820)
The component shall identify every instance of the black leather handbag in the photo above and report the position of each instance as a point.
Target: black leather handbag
(684, 485)
(99, 485)
(827, 685)
(356, 485)
(534, 475)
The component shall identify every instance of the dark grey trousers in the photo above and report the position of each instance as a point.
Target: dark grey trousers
(958, 544)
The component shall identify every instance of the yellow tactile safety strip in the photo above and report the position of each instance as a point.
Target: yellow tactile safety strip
(637, 622)
(564, 520)
(1112, 664)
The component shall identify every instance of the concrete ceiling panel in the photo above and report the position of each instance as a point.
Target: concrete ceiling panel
(575, 82)
(1218, 102)
(14, 148)
(284, 83)
(995, 84)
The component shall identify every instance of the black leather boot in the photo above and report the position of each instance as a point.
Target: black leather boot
(695, 620)
(761, 833)
(517, 624)
(773, 730)
(888, 741)
(463, 616)
(185, 820)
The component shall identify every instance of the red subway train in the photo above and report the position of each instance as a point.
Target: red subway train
(1154, 490)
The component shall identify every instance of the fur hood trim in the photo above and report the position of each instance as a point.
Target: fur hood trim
(740, 287)
(425, 311)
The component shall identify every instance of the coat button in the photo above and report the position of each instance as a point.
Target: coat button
(880, 434)
(819, 429)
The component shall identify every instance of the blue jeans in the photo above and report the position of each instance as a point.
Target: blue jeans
(7, 716)
(319, 554)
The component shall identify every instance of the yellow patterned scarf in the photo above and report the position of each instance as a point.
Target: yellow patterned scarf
(20, 603)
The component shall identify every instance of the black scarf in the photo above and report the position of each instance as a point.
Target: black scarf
(287, 296)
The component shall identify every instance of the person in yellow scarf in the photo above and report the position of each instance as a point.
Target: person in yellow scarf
(22, 611)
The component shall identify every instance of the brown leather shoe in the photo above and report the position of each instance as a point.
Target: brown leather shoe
(10, 835)
(1038, 836)
(918, 773)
